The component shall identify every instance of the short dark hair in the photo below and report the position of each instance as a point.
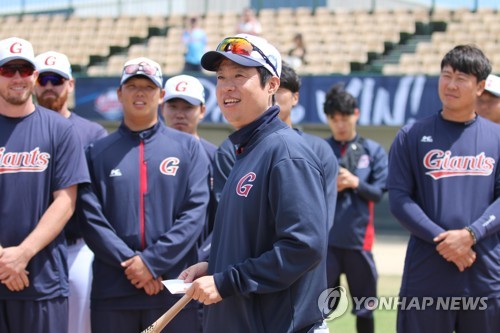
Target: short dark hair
(289, 78)
(338, 100)
(468, 59)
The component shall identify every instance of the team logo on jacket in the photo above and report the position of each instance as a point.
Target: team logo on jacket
(441, 164)
(33, 161)
(169, 166)
(243, 187)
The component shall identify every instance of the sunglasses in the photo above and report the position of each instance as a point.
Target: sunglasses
(241, 46)
(142, 67)
(55, 80)
(24, 70)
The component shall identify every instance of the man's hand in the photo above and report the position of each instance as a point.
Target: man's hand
(13, 262)
(204, 290)
(346, 180)
(456, 246)
(153, 287)
(137, 272)
(193, 272)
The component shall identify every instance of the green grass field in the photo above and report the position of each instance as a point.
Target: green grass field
(385, 320)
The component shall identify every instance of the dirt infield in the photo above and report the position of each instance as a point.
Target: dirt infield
(389, 253)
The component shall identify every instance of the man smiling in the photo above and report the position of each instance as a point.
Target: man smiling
(267, 262)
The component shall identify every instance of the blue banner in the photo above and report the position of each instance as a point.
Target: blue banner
(382, 100)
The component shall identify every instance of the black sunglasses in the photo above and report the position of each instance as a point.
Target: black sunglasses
(54, 79)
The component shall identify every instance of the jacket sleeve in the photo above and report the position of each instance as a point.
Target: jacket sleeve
(401, 186)
(96, 229)
(300, 233)
(373, 189)
(171, 248)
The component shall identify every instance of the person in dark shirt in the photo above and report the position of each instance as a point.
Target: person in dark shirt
(444, 187)
(360, 184)
(54, 84)
(267, 262)
(144, 210)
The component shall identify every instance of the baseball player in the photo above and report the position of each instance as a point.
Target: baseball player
(488, 104)
(144, 211)
(360, 184)
(183, 108)
(54, 84)
(267, 262)
(41, 164)
(286, 97)
(444, 187)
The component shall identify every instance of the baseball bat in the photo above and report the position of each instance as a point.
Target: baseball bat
(161, 322)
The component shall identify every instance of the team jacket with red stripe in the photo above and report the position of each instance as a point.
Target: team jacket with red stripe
(269, 240)
(148, 197)
(444, 175)
(353, 224)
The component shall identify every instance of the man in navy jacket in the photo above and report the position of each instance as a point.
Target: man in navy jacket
(144, 211)
(267, 262)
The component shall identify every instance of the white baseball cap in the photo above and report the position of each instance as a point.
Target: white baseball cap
(493, 85)
(54, 62)
(185, 87)
(15, 48)
(142, 67)
(246, 50)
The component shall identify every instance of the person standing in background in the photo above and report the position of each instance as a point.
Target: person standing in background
(183, 109)
(488, 104)
(41, 165)
(360, 184)
(195, 42)
(53, 86)
(249, 24)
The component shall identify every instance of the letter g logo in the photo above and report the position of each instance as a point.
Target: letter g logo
(50, 61)
(243, 189)
(16, 48)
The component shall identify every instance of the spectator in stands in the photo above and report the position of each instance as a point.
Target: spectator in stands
(249, 23)
(195, 42)
(143, 211)
(296, 55)
(488, 104)
(54, 84)
(183, 109)
(360, 184)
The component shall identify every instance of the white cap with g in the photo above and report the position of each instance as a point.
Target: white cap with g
(54, 62)
(185, 87)
(15, 48)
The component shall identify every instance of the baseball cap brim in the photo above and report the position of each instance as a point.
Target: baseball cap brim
(56, 71)
(154, 79)
(213, 58)
(189, 99)
(8, 59)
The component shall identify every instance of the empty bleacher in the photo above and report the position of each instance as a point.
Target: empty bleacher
(337, 41)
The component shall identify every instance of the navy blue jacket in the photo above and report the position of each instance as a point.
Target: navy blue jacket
(148, 197)
(353, 225)
(444, 175)
(88, 132)
(270, 235)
